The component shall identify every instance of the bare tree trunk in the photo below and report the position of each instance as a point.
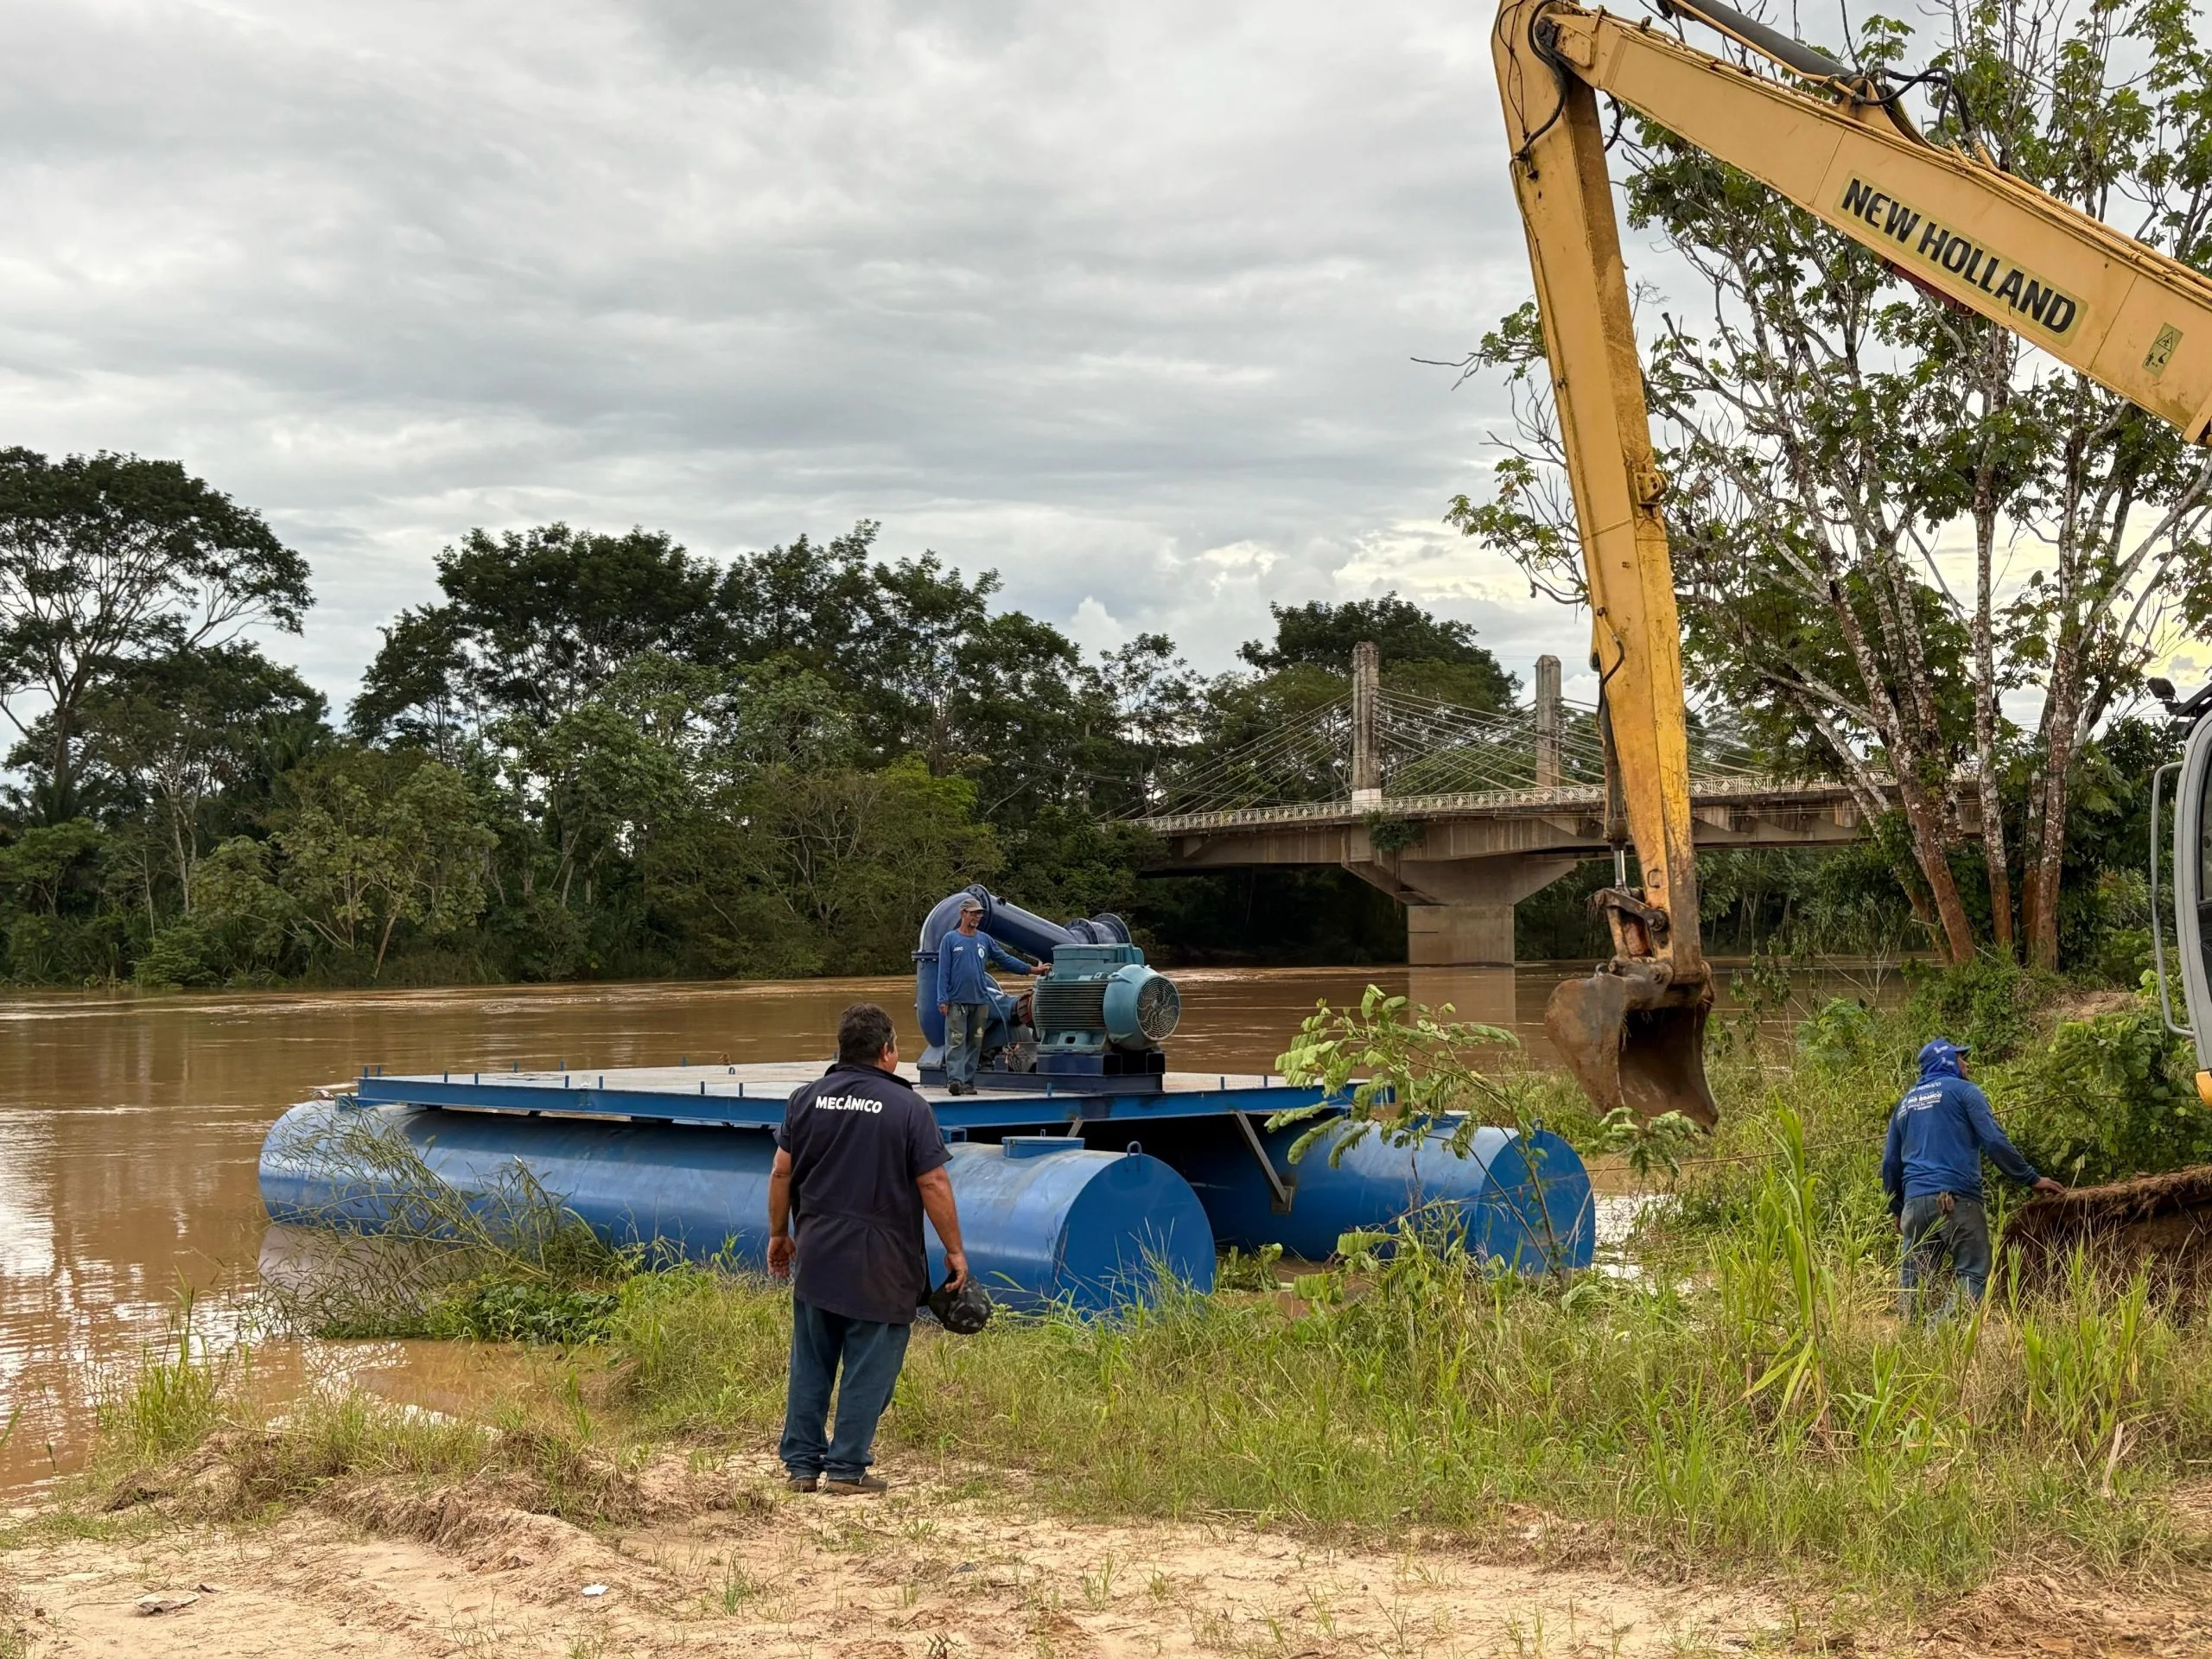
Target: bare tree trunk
(1985, 716)
(1906, 759)
(1921, 813)
(183, 859)
(2061, 717)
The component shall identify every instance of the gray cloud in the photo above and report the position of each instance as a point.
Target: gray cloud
(1119, 301)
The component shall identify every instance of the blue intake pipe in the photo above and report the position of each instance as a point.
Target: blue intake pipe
(1045, 1221)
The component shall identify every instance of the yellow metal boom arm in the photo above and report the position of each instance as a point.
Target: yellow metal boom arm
(1839, 146)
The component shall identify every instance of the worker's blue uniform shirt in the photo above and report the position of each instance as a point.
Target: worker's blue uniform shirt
(1940, 1133)
(858, 1140)
(962, 962)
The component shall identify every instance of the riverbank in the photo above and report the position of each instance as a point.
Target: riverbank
(1051, 1499)
(1726, 1431)
(729, 1564)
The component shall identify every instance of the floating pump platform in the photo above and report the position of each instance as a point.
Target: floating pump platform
(1086, 1198)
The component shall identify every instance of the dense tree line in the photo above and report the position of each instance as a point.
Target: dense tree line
(599, 755)
(603, 755)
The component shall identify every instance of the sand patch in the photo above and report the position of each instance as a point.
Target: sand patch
(724, 1561)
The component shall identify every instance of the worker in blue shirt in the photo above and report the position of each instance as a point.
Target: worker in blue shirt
(1931, 1169)
(963, 994)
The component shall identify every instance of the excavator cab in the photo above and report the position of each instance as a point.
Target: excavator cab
(2190, 809)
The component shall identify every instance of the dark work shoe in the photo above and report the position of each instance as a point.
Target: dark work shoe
(866, 1486)
(805, 1482)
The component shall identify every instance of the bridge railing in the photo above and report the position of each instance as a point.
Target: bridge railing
(1489, 803)
(1412, 747)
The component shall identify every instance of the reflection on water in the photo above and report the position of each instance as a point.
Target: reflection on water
(130, 1126)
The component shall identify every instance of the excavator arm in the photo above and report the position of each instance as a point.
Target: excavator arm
(1838, 144)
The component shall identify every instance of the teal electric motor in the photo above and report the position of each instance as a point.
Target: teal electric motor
(1101, 1013)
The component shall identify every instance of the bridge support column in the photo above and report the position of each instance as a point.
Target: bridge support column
(1366, 752)
(1458, 912)
(1460, 936)
(1550, 719)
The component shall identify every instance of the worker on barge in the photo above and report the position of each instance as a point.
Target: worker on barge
(859, 1160)
(963, 994)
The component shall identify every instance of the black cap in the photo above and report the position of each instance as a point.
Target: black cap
(962, 1311)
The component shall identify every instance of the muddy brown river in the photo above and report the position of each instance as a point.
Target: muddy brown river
(130, 1126)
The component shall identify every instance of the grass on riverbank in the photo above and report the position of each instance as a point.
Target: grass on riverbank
(1749, 1403)
(1656, 1422)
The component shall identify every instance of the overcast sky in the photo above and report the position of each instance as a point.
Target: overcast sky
(1120, 302)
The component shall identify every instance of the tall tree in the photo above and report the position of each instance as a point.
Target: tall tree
(373, 839)
(533, 623)
(806, 601)
(1437, 656)
(105, 559)
(177, 730)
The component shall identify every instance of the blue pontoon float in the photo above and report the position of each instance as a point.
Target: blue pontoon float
(1085, 1172)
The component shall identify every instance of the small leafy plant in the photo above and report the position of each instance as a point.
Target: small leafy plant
(1653, 1149)
(1394, 1067)
(1254, 1271)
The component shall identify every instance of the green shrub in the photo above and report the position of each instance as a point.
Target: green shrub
(1989, 1004)
(1841, 1032)
(2107, 1098)
(1236, 1270)
(507, 1310)
(183, 953)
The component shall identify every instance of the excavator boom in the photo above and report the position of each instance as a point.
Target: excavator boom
(1838, 144)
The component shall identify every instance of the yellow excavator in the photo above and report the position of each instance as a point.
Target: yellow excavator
(1837, 142)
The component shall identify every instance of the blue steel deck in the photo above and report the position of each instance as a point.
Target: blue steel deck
(752, 1096)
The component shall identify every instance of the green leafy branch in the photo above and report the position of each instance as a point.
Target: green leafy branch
(1394, 1067)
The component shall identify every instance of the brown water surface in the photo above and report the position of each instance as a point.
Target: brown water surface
(130, 1126)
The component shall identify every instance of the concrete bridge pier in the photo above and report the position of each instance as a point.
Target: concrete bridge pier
(1458, 913)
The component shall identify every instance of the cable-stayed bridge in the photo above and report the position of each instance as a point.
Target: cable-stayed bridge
(1455, 812)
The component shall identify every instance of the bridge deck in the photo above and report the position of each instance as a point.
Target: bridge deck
(1495, 803)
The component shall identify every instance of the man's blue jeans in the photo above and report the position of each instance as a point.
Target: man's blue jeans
(1932, 1240)
(964, 1040)
(872, 1352)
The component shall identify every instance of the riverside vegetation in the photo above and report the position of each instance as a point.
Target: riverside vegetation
(1735, 1397)
(602, 755)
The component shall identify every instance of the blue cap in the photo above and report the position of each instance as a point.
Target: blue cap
(1941, 1053)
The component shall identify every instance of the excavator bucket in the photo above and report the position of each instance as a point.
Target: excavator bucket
(1632, 1040)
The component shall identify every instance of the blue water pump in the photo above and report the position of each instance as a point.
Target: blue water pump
(1101, 1013)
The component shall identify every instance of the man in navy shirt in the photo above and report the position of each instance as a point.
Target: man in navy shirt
(963, 995)
(859, 1159)
(1931, 1169)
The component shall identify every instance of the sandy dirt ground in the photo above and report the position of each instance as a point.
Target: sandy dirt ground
(728, 1564)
